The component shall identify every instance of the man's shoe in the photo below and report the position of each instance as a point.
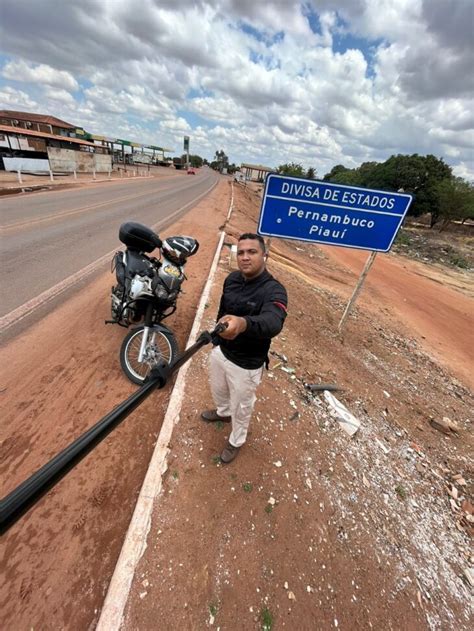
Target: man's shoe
(229, 453)
(211, 416)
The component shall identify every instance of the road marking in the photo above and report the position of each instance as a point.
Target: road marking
(80, 185)
(68, 213)
(74, 211)
(46, 296)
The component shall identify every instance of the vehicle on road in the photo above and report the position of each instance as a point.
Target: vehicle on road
(191, 171)
(147, 290)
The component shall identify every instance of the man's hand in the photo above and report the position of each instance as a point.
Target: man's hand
(235, 326)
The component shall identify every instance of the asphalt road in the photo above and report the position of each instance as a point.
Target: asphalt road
(48, 236)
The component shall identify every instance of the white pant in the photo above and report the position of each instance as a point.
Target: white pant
(233, 390)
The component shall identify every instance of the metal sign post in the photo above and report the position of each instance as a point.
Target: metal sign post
(355, 293)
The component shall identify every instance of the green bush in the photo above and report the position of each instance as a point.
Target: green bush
(402, 238)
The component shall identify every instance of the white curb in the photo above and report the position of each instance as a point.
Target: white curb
(136, 539)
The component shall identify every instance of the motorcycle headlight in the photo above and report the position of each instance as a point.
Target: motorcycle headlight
(161, 293)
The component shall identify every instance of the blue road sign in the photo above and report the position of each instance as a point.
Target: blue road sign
(334, 214)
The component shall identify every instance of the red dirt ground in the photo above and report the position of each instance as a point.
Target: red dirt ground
(361, 533)
(59, 379)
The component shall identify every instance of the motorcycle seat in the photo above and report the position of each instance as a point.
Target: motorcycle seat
(137, 263)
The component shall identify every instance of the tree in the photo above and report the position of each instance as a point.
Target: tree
(339, 168)
(221, 160)
(399, 172)
(411, 174)
(292, 168)
(342, 175)
(456, 200)
(368, 174)
(414, 174)
(194, 160)
(311, 173)
(427, 198)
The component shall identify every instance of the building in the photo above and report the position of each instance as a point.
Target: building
(255, 172)
(40, 143)
(37, 122)
(27, 150)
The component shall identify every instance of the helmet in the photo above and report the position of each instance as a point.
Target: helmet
(177, 249)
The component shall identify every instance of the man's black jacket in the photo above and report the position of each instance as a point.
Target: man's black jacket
(262, 301)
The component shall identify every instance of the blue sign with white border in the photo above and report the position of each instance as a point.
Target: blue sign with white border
(332, 214)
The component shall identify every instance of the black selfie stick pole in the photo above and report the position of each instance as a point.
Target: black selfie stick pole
(21, 499)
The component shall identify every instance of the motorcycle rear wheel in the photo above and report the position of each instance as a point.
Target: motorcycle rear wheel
(161, 345)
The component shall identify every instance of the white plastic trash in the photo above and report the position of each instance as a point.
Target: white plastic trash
(349, 423)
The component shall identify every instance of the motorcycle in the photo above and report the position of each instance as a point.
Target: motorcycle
(147, 290)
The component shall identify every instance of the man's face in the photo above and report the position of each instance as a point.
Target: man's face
(250, 257)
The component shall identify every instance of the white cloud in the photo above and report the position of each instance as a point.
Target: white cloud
(135, 100)
(393, 20)
(461, 169)
(41, 73)
(266, 81)
(223, 109)
(175, 125)
(14, 99)
(59, 96)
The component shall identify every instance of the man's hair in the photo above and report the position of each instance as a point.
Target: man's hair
(255, 237)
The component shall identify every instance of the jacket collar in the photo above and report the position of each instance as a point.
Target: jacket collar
(265, 275)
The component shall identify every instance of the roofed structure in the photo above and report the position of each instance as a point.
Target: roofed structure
(255, 172)
(7, 129)
(13, 117)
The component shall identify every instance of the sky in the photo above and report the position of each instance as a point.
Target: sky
(318, 83)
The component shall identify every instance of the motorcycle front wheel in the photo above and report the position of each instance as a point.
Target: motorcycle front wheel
(161, 345)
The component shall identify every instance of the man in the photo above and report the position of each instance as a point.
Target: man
(254, 306)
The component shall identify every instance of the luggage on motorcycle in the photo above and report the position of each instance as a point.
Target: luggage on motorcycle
(128, 264)
(118, 264)
(138, 264)
(138, 237)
